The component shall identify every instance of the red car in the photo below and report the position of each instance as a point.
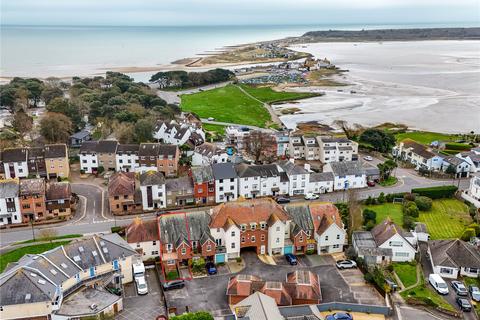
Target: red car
(371, 183)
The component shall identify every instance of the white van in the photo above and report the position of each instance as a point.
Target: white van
(438, 283)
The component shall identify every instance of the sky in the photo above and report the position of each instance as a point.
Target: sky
(235, 12)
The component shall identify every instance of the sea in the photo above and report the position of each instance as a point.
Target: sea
(66, 51)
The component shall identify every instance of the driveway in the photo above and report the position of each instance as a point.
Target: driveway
(148, 306)
(210, 293)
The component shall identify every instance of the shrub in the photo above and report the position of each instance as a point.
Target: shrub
(309, 251)
(198, 265)
(369, 215)
(423, 203)
(172, 275)
(457, 146)
(118, 229)
(381, 198)
(369, 225)
(82, 171)
(410, 209)
(409, 196)
(389, 197)
(472, 210)
(436, 192)
(100, 169)
(476, 227)
(369, 200)
(468, 234)
(239, 259)
(408, 222)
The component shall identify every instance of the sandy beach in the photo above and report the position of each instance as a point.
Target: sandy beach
(427, 85)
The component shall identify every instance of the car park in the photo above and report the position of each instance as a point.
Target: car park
(142, 287)
(459, 288)
(282, 200)
(438, 283)
(174, 284)
(211, 268)
(311, 196)
(346, 264)
(292, 259)
(464, 304)
(339, 316)
(368, 158)
(474, 293)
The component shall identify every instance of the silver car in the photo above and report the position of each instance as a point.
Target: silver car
(346, 264)
(475, 293)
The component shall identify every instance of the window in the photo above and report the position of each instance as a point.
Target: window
(262, 238)
(300, 238)
(232, 179)
(395, 244)
(138, 245)
(278, 228)
(338, 237)
(243, 239)
(233, 234)
(169, 247)
(243, 227)
(252, 239)
(154, 253)
(401, 254)
(220, 188)
(253, 226)
(263, 225)
(233, 245)
(277, 240)
(184, 250)
(171, 262)
(209, 248)
(326, 238)
(154, 242)
(336, 246)
(446, 270)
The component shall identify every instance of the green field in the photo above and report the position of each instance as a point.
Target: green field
(425, 137)
(268, 95)
(447, 219)
(216, 128)
(392, 210)
(15, 255)
(407, 273)
(422, 293)
(226, 104)
(66, 236)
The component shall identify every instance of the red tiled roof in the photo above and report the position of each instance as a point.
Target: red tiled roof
(324, 215)
(246, 211)
(141, 231)
(121, 183)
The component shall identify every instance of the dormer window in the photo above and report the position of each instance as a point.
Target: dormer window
(253, 226)
(243, 227)
(263, 225)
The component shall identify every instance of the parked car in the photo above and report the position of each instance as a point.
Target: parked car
(371, 183)
(175, 284)
(142, 287)
(211, 268)
(367, 158)
(438, 283)
(291, 259)
(311, 196)
(339, 316)
(464, 304)
(459, 288)
(393, 286)
(282, 200)
(346, 264)
(210, 118)
(474, 292)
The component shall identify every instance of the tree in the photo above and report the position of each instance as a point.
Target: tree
(200, 315)
(55, 127)
(50, 93)
(451, 170)
(143, 130)
(380, 140)
(386, 169)
(22, 122)
(7, 96)
(260, 145)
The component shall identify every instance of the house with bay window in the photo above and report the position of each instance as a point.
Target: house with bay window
(454, 258)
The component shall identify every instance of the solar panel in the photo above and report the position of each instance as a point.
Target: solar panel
(105, 250)
(94, 253)
(28, 296)
(102, 243)
(77, 258)
(41, 281)
(81, 249)
(33, 274)
(64, 266)
(53, 271)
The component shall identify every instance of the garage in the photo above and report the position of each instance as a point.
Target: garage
(220, 258)
(288, 249)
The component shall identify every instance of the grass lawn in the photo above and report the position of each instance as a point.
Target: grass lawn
(447, 219)
(389, 182)
(15, 255)
(422, 292)
(226, 104)
(268, 95)
(392, 210)
(66, 236)
(407, 273)
(216, 128)
(425, 137)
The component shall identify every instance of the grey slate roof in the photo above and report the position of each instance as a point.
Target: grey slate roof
(127, 149)
(36, 153)
(258, 306)
(173, 227)
(347, 168)
(334, 139)
(182, 183)
(454, 253)
(420, 227)
(291, 168)
(80, 135)
(223, 171)
(151, 178)
(454, 161)
(202, 174)
(267, 170)
(148, 149)
(15, 289)
(300, 214)
(372, 171)
(167, 150)
(14, 155)
(107, 146)
(321, 176)
(89, 147)
(8, 189)
(364, 239)
(55, 151)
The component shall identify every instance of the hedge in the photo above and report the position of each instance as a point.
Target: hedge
(436, 192)
(457, 146)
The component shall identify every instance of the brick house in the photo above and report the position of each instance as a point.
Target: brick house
(179, 191)
(203, 184)
(148, 156)
(106, 154)
(299, 288)
(123, 196)
(32, 200)
(183, 237)
(56, 160)
(167, 160)
(58, 199)
(36, 162)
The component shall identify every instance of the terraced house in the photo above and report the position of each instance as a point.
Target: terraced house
(56, 161)
(10, 211)
(260, 181)
(58, 199)
(52, 284)
(15, 163)
(123, 195)
(33, 200)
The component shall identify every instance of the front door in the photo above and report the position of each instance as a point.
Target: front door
(262, 249)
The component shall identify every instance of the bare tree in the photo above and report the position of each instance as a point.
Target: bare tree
(261, 146)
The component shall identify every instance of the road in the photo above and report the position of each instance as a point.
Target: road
(90, 218)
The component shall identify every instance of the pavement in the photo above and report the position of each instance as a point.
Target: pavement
(209, 293)
(149, 306)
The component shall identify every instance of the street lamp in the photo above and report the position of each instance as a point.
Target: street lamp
(32, 219)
